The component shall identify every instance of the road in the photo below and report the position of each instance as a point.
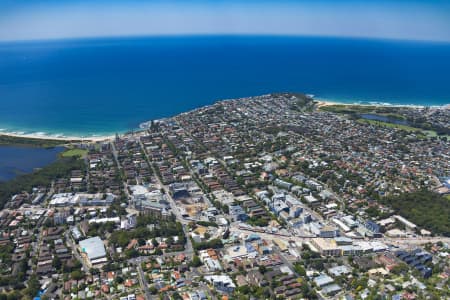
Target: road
(119, 166)
(115, 154)
(404, 242)
(168, 197)
(72, 245)
(415, 241)
(143, 282)
(189, 250)
(172, 203)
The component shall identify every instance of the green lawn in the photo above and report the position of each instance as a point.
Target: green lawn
(423, 133)
(390, 125)
(31, 142)
(349, 109)
(432, 133)
(74, 152)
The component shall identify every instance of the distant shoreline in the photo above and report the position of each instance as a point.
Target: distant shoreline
(326, 102)
(320, 102)
(68, 139)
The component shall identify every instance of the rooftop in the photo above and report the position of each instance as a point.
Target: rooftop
(93, 247)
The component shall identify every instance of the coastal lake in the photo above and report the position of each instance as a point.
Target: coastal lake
(386, 119)
(16, 160)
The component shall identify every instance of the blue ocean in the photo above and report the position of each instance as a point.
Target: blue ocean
(102, 86)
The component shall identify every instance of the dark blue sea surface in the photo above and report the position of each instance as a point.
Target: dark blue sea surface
(16, 160)
(98, 86)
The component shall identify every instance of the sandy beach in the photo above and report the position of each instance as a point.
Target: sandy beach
(321, 103)
(59, 138)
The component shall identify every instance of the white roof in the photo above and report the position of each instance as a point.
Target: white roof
(404, 221)
(339, 270)
(223, 279)
(310, 199)
(93, 247)
(138, 189)
(323, 280)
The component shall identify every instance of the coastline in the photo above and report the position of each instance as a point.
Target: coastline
(67, 139)
(326, 102)
(320, 102)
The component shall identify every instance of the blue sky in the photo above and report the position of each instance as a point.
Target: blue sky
(51, 19)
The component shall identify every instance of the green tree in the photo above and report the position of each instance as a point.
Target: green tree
(57, 263)
(76, 275)
(33, 286)
(119, 279)
(299, 269)
(196, 262)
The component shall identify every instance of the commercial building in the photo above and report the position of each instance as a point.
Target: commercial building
(93, 252)
(405, 222)
(326, 247)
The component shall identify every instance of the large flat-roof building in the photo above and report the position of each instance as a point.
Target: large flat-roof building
(93, 252)
(326, 247)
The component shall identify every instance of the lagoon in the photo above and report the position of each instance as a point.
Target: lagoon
(15, 160)
(386, 119)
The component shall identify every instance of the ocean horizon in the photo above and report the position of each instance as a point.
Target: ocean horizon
(94, 87)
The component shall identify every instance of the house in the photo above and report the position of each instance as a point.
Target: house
(416, 259)
(241, 281)
(254, 277)
(237, 213)
(339, 270)
(323, 280)
(222, 283)
(331, 289)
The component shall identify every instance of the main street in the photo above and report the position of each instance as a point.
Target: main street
(73, 246)
(189, 250)
(403, 242)
(172, 203)
(143, 282)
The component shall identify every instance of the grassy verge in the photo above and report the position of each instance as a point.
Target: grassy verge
(31, 142)
(432, 133)
(348, 109)
(388, 111)
(422, 133)
(74, 152)
(390, 125)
